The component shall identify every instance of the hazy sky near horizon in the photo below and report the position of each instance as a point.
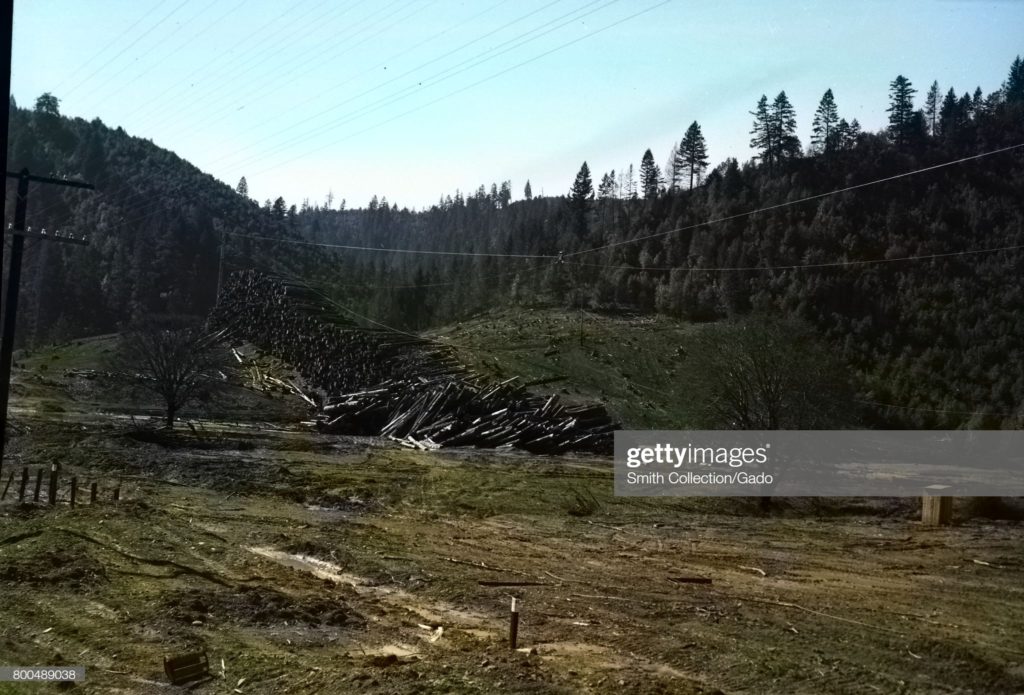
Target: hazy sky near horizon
(413, 99)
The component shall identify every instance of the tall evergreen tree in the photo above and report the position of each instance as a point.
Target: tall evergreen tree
(967, 106)
(762, 133)
(527, 191)
(1013, 88)
(580, 196)
(582, 187)
(774, 131)
(692, 155)
(847, 134)
(826, 118)
(48, 105)
(650, 176)
(949, 118)
(606, 189)
(243, 187)
(932, 106)
(901, 110)
(852, 135)
(784, 123)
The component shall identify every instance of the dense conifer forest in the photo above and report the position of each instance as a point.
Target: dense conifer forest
(941, 337)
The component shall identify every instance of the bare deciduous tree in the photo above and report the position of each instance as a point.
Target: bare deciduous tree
(761, 375)
(176, 358)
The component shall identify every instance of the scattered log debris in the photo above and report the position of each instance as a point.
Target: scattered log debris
(754, 569)
(382, 382)
(690, 580)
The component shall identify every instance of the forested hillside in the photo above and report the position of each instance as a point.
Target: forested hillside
(154, 226)
(940, 337)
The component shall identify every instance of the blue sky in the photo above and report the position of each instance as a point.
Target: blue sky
(412, 99)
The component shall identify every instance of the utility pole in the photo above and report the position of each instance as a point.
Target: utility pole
(18, 233)
(220, 264)
(7, 9)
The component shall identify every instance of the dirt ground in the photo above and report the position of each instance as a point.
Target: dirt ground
(304, 563)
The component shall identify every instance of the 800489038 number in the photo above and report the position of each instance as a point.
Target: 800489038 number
(41, 674)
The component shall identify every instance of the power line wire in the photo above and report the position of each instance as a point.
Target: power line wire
(940, 411)
(748, 213)
(391, 59)
(229, 109)
(204, 68)
(438, 77)
(252, 96)
(143, 206)
(215, 24)
(807, 266)
(111, 44)
(162, 40)
(423, 252)
(126, 48)
(354, 30)
(805, 199)
(561, 257)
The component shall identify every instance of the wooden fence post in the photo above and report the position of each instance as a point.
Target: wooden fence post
(39, 484)
(513, 626)
(10, 479)
(52, 491)
(24, 484)
(92, 493)
(74, 490)
(117, 492)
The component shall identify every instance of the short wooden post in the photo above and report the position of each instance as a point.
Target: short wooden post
(10, 479)
(39, 484)
(936, 508)
(117, 493)
(513, 626)
(24, 484)
(74, 490)
(52, 491)
(92, 493)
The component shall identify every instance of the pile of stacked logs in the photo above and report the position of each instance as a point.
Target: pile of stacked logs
(297, 325)
(429, 414)
(398, 385)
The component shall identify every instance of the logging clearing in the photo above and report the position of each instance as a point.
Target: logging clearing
(375, 381)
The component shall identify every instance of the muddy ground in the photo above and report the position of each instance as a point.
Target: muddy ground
(304, 563)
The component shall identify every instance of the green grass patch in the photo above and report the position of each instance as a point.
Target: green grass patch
(636, 366)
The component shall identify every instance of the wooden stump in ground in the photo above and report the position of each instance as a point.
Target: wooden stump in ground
(936, 506)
